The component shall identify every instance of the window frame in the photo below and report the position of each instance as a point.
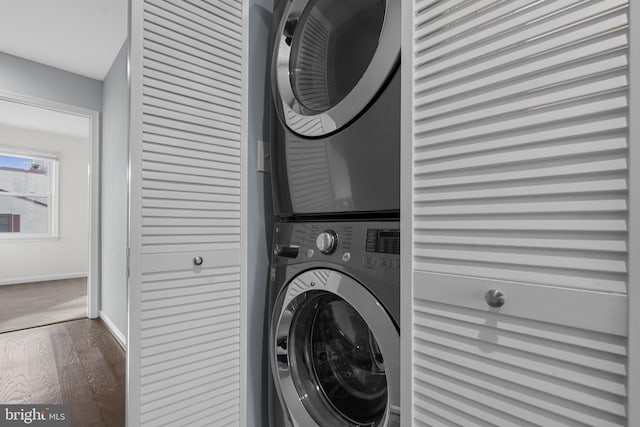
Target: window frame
(53, 188)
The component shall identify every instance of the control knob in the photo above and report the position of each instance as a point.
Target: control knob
(327, 242)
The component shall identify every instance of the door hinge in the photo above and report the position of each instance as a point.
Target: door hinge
(264, 157)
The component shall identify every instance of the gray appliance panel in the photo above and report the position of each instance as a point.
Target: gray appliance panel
(377, 268)
(355, 170)
(372, 261)
(352, 171)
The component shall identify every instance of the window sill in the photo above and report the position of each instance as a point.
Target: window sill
(28, 239)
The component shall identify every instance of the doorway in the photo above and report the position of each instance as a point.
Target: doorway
(49, 205)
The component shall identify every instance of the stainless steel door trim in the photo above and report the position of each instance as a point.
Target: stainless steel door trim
(377, 319)
(380, 68)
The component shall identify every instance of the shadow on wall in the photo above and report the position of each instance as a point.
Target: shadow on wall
(260, 211)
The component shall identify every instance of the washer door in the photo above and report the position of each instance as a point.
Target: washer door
(335, 353)
(331, 59)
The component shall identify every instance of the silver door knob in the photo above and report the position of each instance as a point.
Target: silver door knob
(494, 298)
(198, 260)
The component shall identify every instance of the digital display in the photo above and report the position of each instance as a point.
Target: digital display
(383, 241)
(390, 234)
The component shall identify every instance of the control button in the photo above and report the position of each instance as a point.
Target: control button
(346, 256)
(310, 253)
(327, 242)
(286, 251)
(370, 245)
(370, 261)
(384, 263)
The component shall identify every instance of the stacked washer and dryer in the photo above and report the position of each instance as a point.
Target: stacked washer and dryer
(334, 344)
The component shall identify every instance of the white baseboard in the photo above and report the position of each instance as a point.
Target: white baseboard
(21, 280)
(114, 330)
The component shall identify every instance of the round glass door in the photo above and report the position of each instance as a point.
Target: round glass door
(332, 58)
(343, 359)
(337, 353)
(332, 47)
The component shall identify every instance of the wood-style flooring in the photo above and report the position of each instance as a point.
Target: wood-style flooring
(78, 363)
(28, 305)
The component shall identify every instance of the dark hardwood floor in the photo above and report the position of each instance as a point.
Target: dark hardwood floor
(77, 363)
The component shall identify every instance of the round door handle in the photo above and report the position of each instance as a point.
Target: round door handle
(198, 260)
(495, 298)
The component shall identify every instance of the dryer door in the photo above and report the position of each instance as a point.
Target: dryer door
(330, 60)
(335, 353)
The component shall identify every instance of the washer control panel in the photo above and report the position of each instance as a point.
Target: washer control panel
(371, 246)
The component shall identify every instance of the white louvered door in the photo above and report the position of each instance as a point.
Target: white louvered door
(187, 213)
(517, 163)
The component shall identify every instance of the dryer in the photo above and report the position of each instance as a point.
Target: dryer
(334, 344)
(336, 88)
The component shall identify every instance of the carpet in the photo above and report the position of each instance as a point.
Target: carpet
(29, 305)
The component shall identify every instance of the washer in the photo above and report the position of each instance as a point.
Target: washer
(334, 345)
(336, 88)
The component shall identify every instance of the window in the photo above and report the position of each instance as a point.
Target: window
(28, 194)
(9, 223)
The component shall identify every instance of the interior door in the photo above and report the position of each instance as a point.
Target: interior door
(187, 213)
(516, 163)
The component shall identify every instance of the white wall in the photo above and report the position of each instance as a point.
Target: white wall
(115, 134)
(30, 78)
(39, 260)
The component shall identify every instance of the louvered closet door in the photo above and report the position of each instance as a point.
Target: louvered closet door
(519, 183)
(187, 213)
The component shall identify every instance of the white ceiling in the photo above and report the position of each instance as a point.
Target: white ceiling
(81, 36)
(43, 119)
